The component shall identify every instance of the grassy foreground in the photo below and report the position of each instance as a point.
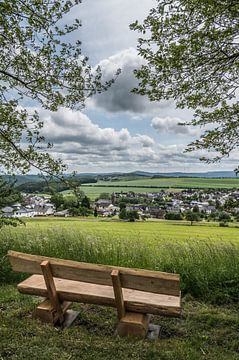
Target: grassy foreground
(204, 332)
(208, 266)
(208, 263)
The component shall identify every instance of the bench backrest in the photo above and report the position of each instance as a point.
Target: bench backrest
(137, 279)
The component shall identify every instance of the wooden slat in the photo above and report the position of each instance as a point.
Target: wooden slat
(75, 291)
(143, 280)
(119, 300)
(51, 289)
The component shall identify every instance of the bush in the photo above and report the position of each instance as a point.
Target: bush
(173, 216)
(223, 224)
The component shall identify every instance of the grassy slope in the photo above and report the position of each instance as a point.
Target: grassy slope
(204, 332)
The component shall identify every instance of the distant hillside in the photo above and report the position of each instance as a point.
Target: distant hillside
(209, 174)
(114, 176)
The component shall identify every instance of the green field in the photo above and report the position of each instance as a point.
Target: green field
(151, 232)
(205, 255)
(205, 332)
(154, 185)
(177, 182)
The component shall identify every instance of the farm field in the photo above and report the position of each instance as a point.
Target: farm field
(153, 185)
(153, 231)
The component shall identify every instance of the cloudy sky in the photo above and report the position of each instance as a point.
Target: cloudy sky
(119, 131)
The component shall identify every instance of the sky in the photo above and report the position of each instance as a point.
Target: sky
(118, 130)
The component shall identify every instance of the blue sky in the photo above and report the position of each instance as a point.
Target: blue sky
(119, 131)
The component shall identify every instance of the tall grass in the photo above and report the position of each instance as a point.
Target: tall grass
(208, 270)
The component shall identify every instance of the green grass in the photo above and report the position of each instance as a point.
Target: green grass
(206, 257)
(150, 231)
(204, 332)
(177, 182)
(154, 185)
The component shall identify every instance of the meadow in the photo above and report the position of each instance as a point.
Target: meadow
(160, 245)
(174, 182)
(143, 185)
(205, 255)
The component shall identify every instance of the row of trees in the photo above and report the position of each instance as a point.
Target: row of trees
(194, 216)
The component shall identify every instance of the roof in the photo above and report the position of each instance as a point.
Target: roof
(7, 209)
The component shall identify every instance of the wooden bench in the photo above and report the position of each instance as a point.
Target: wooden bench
(135, 293)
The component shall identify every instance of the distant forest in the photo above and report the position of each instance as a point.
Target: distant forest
(51, 186)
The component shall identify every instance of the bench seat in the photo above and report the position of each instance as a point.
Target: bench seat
(76, 291)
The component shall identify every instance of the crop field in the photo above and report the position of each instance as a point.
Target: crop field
(177, 182)
(154, 185)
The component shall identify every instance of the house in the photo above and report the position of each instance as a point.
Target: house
(155, 212)
(7, 211)
(24, 212)
(103, 203)
(63, 213)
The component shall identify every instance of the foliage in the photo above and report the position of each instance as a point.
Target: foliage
(8, 196)
(123, 213)
(173, 216)
(95, 212)
(41, 68)
(192, 56)
(192, 216)
(224, 216)
(80, 211)
(58, 200)
(85, 202)
(130, 215)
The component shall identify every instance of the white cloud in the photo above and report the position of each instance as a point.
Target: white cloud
(85, 146)
(172, 125)
(105, 25)
(119, 98)
(73, 132)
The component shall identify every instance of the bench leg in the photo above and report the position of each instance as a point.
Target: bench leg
(46, 313)
(133, 324)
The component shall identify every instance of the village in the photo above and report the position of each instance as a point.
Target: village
(222, 205)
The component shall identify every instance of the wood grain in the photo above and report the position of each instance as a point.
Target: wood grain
(46, 313)
(134, 300)
(134, 324)
(137, 279)
(119, 299)
(51, 289)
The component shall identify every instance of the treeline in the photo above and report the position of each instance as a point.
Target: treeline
(51, 186)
